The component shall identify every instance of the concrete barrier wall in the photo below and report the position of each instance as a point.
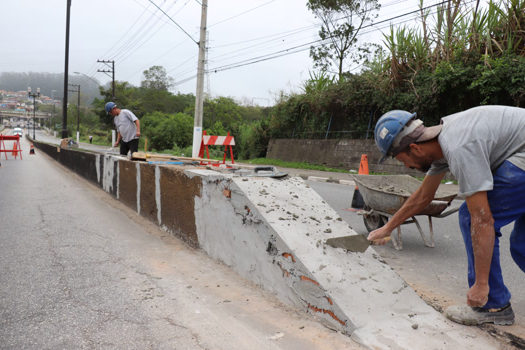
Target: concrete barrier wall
(273, 232)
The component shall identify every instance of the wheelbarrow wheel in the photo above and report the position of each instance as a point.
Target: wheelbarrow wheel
(374, 221)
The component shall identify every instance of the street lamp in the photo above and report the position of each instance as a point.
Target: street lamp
(78, 107)
(54, 107)
(87, 76)
(34, 96)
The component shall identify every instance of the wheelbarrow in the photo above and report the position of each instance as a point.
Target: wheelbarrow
(384, 195)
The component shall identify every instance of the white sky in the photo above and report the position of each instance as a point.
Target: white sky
(137, 36)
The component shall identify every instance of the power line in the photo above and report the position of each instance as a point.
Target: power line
(126, 33)
(297, 48)
(229, 18)
(240, 14)
(128, 44)
(284, 52)
(300, 48)
(185, 32)
(138, 39)
(285, 35)
(296, 30)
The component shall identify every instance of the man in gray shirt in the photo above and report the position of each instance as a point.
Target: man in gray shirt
(128, 128)
(484, 148)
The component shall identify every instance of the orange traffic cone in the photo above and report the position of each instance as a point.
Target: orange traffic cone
(15, 150)
(32, 149)
(357, 199)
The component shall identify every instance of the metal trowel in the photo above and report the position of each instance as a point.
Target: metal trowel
(355, 243)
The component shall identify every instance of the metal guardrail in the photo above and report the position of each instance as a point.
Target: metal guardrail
(27, 115)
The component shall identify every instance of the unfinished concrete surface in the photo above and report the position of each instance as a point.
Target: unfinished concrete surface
(272, 232)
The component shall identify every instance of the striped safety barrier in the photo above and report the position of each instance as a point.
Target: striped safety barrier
(16, 145)
(210, 140)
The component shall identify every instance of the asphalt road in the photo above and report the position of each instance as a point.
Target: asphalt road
(82, 271)
(439, 273)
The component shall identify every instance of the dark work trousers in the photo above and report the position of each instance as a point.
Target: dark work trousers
(507, 203)
(132, 146)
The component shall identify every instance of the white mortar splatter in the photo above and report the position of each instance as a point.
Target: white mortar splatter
(137, 166)
(157, 194)
(97, 166)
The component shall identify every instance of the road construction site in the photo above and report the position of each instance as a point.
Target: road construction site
(274, 232)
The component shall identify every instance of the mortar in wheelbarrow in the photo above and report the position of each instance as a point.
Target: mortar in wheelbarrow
(387, 193)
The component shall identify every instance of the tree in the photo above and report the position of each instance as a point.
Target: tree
(341, 22)
(157, 78)
(223, 109)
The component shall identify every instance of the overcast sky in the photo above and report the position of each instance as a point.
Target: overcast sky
(136, 35)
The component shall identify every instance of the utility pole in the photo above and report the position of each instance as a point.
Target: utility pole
(66, 73)
(107, 71)
(199, 96)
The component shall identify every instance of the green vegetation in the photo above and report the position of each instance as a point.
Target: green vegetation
(457, 57)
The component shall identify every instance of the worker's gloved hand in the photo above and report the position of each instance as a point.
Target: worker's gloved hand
(380, 235)
(478, 294)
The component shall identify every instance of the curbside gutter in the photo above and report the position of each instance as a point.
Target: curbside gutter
(272, 232)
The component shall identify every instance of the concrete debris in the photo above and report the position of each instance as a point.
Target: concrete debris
(276, 336)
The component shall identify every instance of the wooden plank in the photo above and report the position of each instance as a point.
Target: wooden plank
(145, 156)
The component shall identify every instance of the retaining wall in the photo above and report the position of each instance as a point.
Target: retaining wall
(273, 232)
(345, 154)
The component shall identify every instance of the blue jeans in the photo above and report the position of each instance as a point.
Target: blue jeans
(507, 203)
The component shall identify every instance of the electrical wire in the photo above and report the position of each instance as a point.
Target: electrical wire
(285, 35)
(240, 14)
(129, 42)
(300, 48)
(296, 48)
(294, 31)
(136, 40)
(171, 19)
(222, 21)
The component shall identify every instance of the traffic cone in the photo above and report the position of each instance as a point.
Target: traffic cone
(357, 199)
(15, 150)
(32, 149)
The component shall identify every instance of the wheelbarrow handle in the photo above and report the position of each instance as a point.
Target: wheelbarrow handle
(447, 213)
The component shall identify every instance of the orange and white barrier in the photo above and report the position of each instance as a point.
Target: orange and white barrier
(210, 140)
(218, 140)
(16, 145)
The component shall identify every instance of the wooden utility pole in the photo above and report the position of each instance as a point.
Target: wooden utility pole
(199, 95)
(107, 71)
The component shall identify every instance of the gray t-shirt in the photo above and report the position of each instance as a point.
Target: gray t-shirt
(125, 123)
(475, 142)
